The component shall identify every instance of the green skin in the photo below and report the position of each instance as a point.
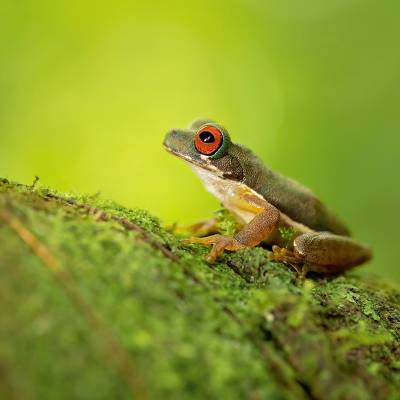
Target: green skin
(268, 206)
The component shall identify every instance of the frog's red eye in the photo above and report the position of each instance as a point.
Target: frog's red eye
(208, 140)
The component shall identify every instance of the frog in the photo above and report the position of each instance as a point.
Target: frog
(271, 210)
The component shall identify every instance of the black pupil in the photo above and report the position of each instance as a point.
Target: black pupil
(207, 137)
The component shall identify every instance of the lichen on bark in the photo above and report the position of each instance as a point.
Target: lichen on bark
(99, 301)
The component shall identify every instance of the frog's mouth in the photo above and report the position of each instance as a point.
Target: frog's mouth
(203, 163)
(175, 152)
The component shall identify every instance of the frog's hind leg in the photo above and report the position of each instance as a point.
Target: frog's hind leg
(325, 252)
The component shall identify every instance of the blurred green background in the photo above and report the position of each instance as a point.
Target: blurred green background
(88, 90)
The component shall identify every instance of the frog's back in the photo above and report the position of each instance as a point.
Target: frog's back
(290, 197)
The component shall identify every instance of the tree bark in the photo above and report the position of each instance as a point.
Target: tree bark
(98, 301)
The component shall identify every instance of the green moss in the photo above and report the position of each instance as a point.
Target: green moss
(287, 234)
(226, 222)
(243, 328)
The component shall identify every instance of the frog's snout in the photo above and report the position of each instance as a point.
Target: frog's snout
(177, 141)
(169, 138)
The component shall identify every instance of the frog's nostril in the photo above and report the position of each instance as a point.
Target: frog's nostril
(172, 140)
(169, 135)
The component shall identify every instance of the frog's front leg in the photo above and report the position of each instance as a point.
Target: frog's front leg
(220, 243)
(262, 225)
(324, 252)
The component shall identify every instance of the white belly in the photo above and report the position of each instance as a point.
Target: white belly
(226, 191)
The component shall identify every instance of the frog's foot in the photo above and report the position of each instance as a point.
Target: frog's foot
(286, 256)
(202, 228)
(219, 242)
(281, 254)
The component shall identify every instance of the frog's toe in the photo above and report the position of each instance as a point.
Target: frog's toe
(207, 241)
(221, 244)
(203, 228)
(280, 254)
(187, 240)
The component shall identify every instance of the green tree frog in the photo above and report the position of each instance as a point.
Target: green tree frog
(270, 208)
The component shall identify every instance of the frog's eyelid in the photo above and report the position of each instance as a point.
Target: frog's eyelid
(198, 123)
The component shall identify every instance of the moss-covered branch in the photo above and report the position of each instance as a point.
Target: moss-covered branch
(99, 302)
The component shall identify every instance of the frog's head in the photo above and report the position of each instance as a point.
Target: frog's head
(206, 145)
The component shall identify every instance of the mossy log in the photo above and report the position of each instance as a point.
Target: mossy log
(98, 301)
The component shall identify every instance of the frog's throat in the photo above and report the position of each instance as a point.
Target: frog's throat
(229, 192)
